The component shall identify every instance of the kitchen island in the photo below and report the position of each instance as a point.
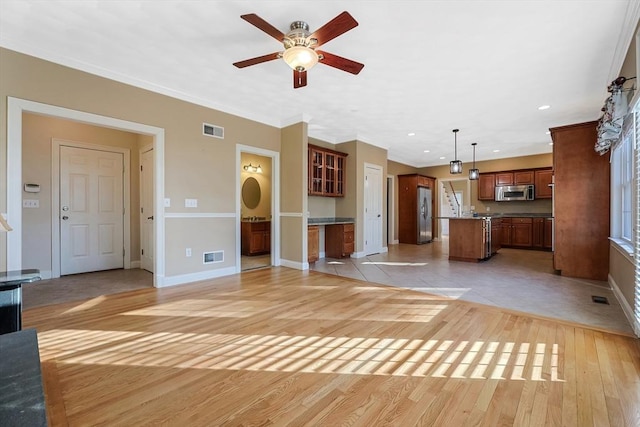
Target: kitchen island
(470, 239)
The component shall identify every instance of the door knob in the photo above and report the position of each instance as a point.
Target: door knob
(65, 217)
(150, 217)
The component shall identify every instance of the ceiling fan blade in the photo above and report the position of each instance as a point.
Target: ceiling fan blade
(257, 60)
(340, 63)
(299, 79)
(332, 29)
(260, 23)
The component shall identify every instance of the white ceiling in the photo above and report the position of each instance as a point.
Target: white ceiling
(430, 66)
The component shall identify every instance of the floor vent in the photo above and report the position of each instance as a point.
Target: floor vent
(212, 130)
(599, 300)
(211, 257)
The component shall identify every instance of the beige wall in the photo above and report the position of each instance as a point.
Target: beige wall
(264, 180)
(293, 194)
(352, 205)
(196, 166)
(37, 134)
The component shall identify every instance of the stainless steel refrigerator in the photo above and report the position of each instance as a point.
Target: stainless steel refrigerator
(425, 215)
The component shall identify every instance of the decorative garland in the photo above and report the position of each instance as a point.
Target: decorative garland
(615, 108)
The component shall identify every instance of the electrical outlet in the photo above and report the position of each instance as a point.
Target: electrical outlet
(488, 208)
(167, 202)
(188, 252)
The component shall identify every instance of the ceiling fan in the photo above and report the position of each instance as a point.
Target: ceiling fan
(300, 46)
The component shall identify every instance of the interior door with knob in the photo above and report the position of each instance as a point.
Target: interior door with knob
(91, 210)
(373, 210)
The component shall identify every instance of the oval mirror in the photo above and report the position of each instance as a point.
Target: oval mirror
(251, 193)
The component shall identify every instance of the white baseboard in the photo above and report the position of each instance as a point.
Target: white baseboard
(134, 264)
(626, 307)
(294, 264)
(394, 242)
(195, 277)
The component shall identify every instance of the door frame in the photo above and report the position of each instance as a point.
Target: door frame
(56, 144)
(275, 202)
(145, 148)
(15, 108)
(391, 210)
(380, 169)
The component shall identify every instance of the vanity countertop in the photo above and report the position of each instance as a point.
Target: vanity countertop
(329, 221)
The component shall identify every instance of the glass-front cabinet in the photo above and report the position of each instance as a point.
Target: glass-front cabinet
(326, 172)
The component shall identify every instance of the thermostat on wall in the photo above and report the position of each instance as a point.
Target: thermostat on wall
(32, 188)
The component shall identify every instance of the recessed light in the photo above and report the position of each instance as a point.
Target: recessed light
(411, 134)
(427, 151)
(496, 151)
(544, 107)
(442, 158)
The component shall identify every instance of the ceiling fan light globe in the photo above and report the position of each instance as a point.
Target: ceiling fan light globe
(300, 58)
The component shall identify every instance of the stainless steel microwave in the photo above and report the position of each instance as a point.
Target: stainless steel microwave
(510, 193)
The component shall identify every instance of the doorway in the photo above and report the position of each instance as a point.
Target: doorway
(257, 207)
(15, 110)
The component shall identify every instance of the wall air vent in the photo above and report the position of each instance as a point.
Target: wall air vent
(213, 130)
(211, 257)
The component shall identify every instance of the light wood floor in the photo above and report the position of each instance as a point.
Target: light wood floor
(285, 347)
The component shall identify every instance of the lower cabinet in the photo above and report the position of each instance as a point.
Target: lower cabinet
(338, 240)
(527, 233)
(255, 237)
(313, 243)
(521, 232)
(496, 235)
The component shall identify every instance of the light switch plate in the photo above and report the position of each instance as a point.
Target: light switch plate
(30, 203)
(190, 203)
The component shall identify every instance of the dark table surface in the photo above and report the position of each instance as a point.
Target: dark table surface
(21, 394)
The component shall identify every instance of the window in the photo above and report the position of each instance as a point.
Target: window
(622, 185)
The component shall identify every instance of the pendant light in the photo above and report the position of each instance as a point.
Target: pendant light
(474, 173)
(455, 166)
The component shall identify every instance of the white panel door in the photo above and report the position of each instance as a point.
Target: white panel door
(146, 211)
(91, 210)
(373, 210)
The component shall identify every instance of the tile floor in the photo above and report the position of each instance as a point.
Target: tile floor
(515, 279)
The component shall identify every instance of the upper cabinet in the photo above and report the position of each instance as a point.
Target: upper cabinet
(544, 178)
(540, 178)
(327, 173)
(487, 186)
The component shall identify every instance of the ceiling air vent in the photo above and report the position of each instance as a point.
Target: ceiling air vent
(212, 130)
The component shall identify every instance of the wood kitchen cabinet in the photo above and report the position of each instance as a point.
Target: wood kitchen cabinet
(327, 172)
(496, 235)
(339, 240)
(517, 232)
(543, 179)
(408, 223)
(505, 232)
(523, 177)
(547, 241)
(487, 186)
(542, 237)
(313, 243)
(255, 237)
(467, 240)
(581, 203)
(504, 178)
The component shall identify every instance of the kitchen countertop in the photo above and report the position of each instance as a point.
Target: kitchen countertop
(501, 215)
(328, 221)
